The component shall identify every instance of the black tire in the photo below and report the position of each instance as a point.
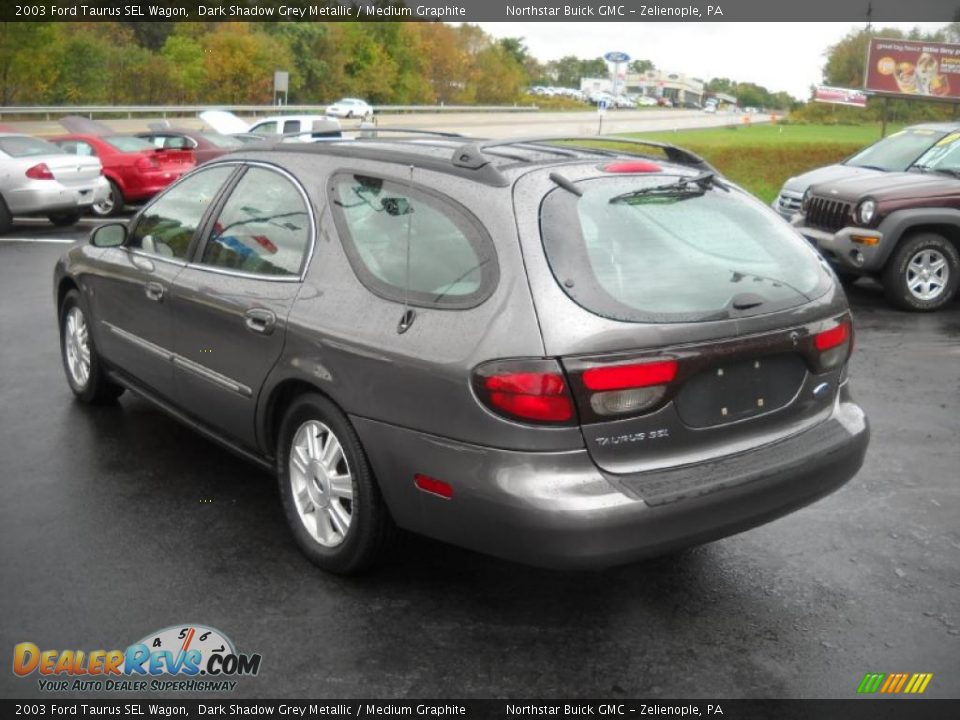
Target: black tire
(112, 206)
(64, 219)
(901, 272)
(96, 389)
(370, 530)
(349, 114)
(6, 219)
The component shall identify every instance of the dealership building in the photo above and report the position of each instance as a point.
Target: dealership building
(678, 87)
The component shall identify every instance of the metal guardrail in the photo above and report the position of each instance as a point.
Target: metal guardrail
(179, 110)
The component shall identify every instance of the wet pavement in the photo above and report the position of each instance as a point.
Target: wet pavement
(117, 521)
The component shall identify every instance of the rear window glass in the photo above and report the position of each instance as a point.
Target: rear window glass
(409, 243)
(628, 253)
(222, 141)
(897, 152)
(128, 144)
(27, 147)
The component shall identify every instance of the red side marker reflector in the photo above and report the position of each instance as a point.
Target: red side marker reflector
(433, 486)
(832, 337)
(632, 166)
(621, 377)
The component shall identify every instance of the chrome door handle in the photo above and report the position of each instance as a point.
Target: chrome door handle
(260, 321)
(154, 291)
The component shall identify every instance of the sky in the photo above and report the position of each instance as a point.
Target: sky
(778, 56)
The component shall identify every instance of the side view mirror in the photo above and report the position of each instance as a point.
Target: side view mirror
(110, 235)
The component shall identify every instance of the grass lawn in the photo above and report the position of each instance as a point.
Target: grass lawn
(761, 157)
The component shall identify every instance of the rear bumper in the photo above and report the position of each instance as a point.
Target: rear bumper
(559, 510)
(152, 182)
(46, 196)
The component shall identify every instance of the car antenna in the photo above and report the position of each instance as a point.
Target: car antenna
(406, 320)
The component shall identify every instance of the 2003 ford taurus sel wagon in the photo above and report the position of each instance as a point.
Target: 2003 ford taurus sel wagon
(553, 353)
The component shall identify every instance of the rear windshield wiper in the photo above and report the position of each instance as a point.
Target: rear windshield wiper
(685, 186)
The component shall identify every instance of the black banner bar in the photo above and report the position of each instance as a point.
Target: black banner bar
(328, 709)
(618, 11)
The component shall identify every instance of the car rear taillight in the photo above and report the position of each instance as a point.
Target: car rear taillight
(627, 389)
(40, 172)
(527, 390)
(834, 345)
(146, 162)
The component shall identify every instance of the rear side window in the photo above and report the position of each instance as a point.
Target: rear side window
(263, 228)
(630, 251)
(407, 242)
(291, 126)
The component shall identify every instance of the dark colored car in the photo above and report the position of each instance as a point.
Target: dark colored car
(562, 355)
(136, 169)
(894, 153)
(204, 145)
(902, 228)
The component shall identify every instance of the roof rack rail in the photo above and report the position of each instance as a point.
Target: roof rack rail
(373, 130)
(471, 155)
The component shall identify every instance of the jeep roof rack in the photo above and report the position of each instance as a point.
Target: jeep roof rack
(471, 155)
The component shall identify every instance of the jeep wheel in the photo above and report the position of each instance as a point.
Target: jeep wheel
(923, 273)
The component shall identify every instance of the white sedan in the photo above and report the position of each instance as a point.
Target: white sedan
(350, 108)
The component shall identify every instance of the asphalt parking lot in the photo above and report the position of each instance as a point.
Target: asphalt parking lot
(118, 521)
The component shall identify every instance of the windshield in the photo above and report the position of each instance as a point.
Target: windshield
(897, 152)
(128, 144)
(21, 146)
(944, 156)
(652, 249)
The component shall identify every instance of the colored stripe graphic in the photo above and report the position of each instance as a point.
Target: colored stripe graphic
(871, 682)
(894, 683)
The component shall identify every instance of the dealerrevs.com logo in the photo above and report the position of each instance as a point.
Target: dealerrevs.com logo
(187, 658)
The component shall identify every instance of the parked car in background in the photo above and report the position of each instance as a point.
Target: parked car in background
(134, 168)
(298, 128)
(646, 101)
(901, 227)
(205, 145)
(39, 178)
(350, 108)
(622, 102)
(301, 128)
(894, 153)
(471, 343)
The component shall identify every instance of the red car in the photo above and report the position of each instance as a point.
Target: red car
(205, 145)
(136, 169)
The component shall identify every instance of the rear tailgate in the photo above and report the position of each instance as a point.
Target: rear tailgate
(678, 383)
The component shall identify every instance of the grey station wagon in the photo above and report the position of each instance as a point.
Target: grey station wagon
(551, 352)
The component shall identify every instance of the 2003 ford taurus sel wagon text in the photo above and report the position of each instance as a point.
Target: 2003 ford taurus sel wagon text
(554, 353)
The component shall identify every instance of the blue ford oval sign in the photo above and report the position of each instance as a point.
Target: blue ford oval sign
(616, 57)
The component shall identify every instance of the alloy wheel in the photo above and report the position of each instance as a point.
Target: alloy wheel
(927, 274)
(77, 345)
(322, 483)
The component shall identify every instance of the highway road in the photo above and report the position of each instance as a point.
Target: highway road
(486, 124)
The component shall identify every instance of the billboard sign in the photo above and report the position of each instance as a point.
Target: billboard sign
(840, 96)
(617, 58)
(913, 68)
